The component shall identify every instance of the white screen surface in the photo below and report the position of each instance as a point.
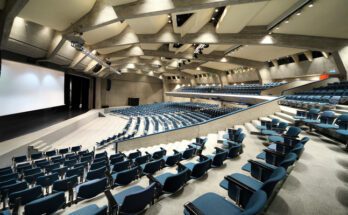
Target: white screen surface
(25, 87)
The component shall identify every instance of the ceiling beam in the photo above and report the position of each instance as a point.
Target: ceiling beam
(208, 35)
(56, 44)
(9, 13)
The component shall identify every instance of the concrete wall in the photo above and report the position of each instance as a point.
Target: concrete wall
(148, 89)
(202, 129)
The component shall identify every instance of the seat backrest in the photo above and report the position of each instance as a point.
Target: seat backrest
(19, 159)
(173, 159)
(127, 176)
(134, 155)
(201, 168)
(256, 203)
(8, 189)
(159, 154)
(175, 182)
(91, 189)
(278, 174)
(75, 171)
(234, 151)
(47, 180)
(26, 195)
(240, 138)
(327, 117)
(282, 125)
(153, 166)
(188, 153)
(275, 121)
(45, 205)
(136, 202)
(219, 158)
(116, 159)
(96, 174)
(63, 185)
(121, 166)
(298, 149)
(8, 177)
(342, 121)
(293, 131)
(289, 160)
(304, 140)
(142, 159)
(313, 113)
(97, 165)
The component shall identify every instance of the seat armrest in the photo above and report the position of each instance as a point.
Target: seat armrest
(193, 210)
(175, 151)
(203, 157)
(181, 167)
(290, 137)
(113, 206)
(239, 184)
(260, 164)
(218, 149)
(152, 179)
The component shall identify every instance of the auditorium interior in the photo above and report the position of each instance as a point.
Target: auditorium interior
(166, 107)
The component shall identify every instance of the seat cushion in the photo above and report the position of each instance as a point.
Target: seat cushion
(90, 210)
(299, 117)
(269, 132)
(327, 126)
(276, 139)
(247, 167)
(162, 178)
(261, 156)
(272, 147)
(119, 197)
(261, 127)
(311, 121)
(250, 182)
(209, 203)
(190, 165)
(342, 132)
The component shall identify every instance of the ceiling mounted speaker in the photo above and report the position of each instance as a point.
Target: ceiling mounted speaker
(97, 68)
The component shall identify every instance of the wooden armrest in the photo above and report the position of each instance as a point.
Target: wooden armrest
(193, 210)
(260, 164)
(239, 184)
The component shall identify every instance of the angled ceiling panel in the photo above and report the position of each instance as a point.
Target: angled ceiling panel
(113, 49)
(103, 33)
(236, 17)
(58, 15)
(148, 25)
(150, 46)
(219, 65)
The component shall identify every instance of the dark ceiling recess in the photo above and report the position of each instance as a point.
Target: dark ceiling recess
(317, 54)
(217, 14)
(177, 45)
(182, 18)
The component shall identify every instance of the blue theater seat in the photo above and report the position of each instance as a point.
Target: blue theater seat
(46, 205)
(133, 200)
(171, 182)
(214, 204)
(277, 130)
(289, 137)
(90, 189)
(152, 166)
(188, 153)
(25, 196)
(171, 160)
(219, 157)
(240, 187)
(96, 174)
(124, 177)
(199, 169)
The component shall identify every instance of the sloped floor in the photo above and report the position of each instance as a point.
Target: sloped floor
(318, 183)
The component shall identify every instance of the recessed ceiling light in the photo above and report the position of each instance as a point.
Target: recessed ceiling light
(298, 13)
(169, 21)
(277, 28)
(216, 10)
(287, 21)
(213, 18)
(310, 5)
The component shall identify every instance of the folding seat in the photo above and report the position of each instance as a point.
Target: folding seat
(8, 189)
(21, 167)
(51, 153)
(212, 203)
(65, 185)
(116, 159)
(41, 164)
(51, 167)
(90, 189)
(118, 167)
(158, 154)
(36, 156)
(56, 157)
(63, 151)
(82, 153)
(70, 163)
(342, 131)
(76, 149)
(91, 210)
(187, 154)
(59, 160)
(71, 156)
(8, 182)
(200, 143)
(289, 137)
(46, 205)
(199, 169)
(326, 119)
(133, 200)
(20, 159)
(278, 130)
(96, 174)
(152, 166)
(47, 180)
(61, 171)
(101, 155)
(142, 159)
(134, 155)
(6, 171)
(87, 158)
(78, 171)
(219, 157)
(84, 165)
(9, 177)
(97, 165)
(32, 171)
(31, 179)
(240, 187)
(171, 160)
(25, 196)
(124, 177)
(228, 144)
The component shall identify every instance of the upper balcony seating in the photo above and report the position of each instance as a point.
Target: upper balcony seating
(249, 89)
(212, 203)
(326, 96)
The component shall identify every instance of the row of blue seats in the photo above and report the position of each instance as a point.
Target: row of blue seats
(327, 122)
(252, 194)
(307, 101)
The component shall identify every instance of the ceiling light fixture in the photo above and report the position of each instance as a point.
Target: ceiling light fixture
(287, 21)
(213, 18)
(298, 13)
(311, 5)
(216, 10)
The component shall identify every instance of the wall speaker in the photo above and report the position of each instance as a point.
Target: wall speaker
(97, 68)
(108, 84)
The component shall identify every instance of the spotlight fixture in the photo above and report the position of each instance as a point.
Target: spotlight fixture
(216, 10)
(213, 18)
(169, 21)
(298, 13)
(310, 5)
(287, 21)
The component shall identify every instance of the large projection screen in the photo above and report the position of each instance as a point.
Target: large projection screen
(24, 87)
